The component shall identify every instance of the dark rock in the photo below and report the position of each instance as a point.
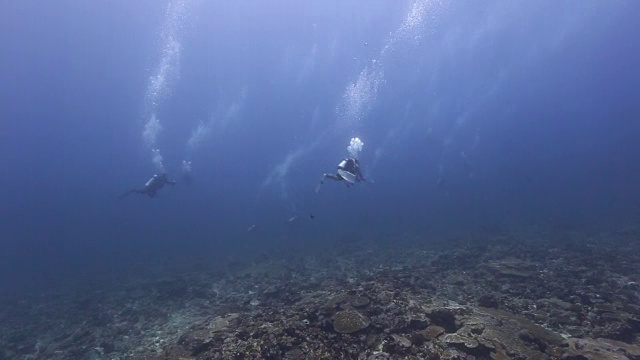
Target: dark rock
(100, 319)
(432, 332)
(488, 300)
(444, 318)
(599, 349)
(107, 346)
(359, 301)
(196, 342)
(401, 341)
(294, 354)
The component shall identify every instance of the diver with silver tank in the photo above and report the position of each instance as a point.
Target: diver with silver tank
(157, 182)
(349, 168)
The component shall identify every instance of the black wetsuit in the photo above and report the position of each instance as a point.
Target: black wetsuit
(157, 182)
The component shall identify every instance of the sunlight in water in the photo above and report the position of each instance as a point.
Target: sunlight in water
(360, 95)
(166, 73)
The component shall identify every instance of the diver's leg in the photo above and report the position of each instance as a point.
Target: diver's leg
(137, 191)
(125, 194)
(330, 176)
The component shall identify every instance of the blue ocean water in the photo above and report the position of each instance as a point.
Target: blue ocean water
(472, 114)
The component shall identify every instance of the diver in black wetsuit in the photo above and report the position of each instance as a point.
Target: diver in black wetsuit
(348, 171)
(157, 182)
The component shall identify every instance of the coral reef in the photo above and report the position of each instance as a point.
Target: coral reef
(349, 321)
(517, 296)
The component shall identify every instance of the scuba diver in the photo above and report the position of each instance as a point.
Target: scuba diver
(348, 171)
(157, 182)
(187, 177)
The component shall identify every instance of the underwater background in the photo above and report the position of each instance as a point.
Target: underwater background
(472, 114)
(475, 117)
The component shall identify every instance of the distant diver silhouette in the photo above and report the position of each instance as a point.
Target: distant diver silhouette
(157, 182)
(348, 171)
(187, 176)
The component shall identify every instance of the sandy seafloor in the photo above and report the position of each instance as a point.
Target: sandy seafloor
(490, 295)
